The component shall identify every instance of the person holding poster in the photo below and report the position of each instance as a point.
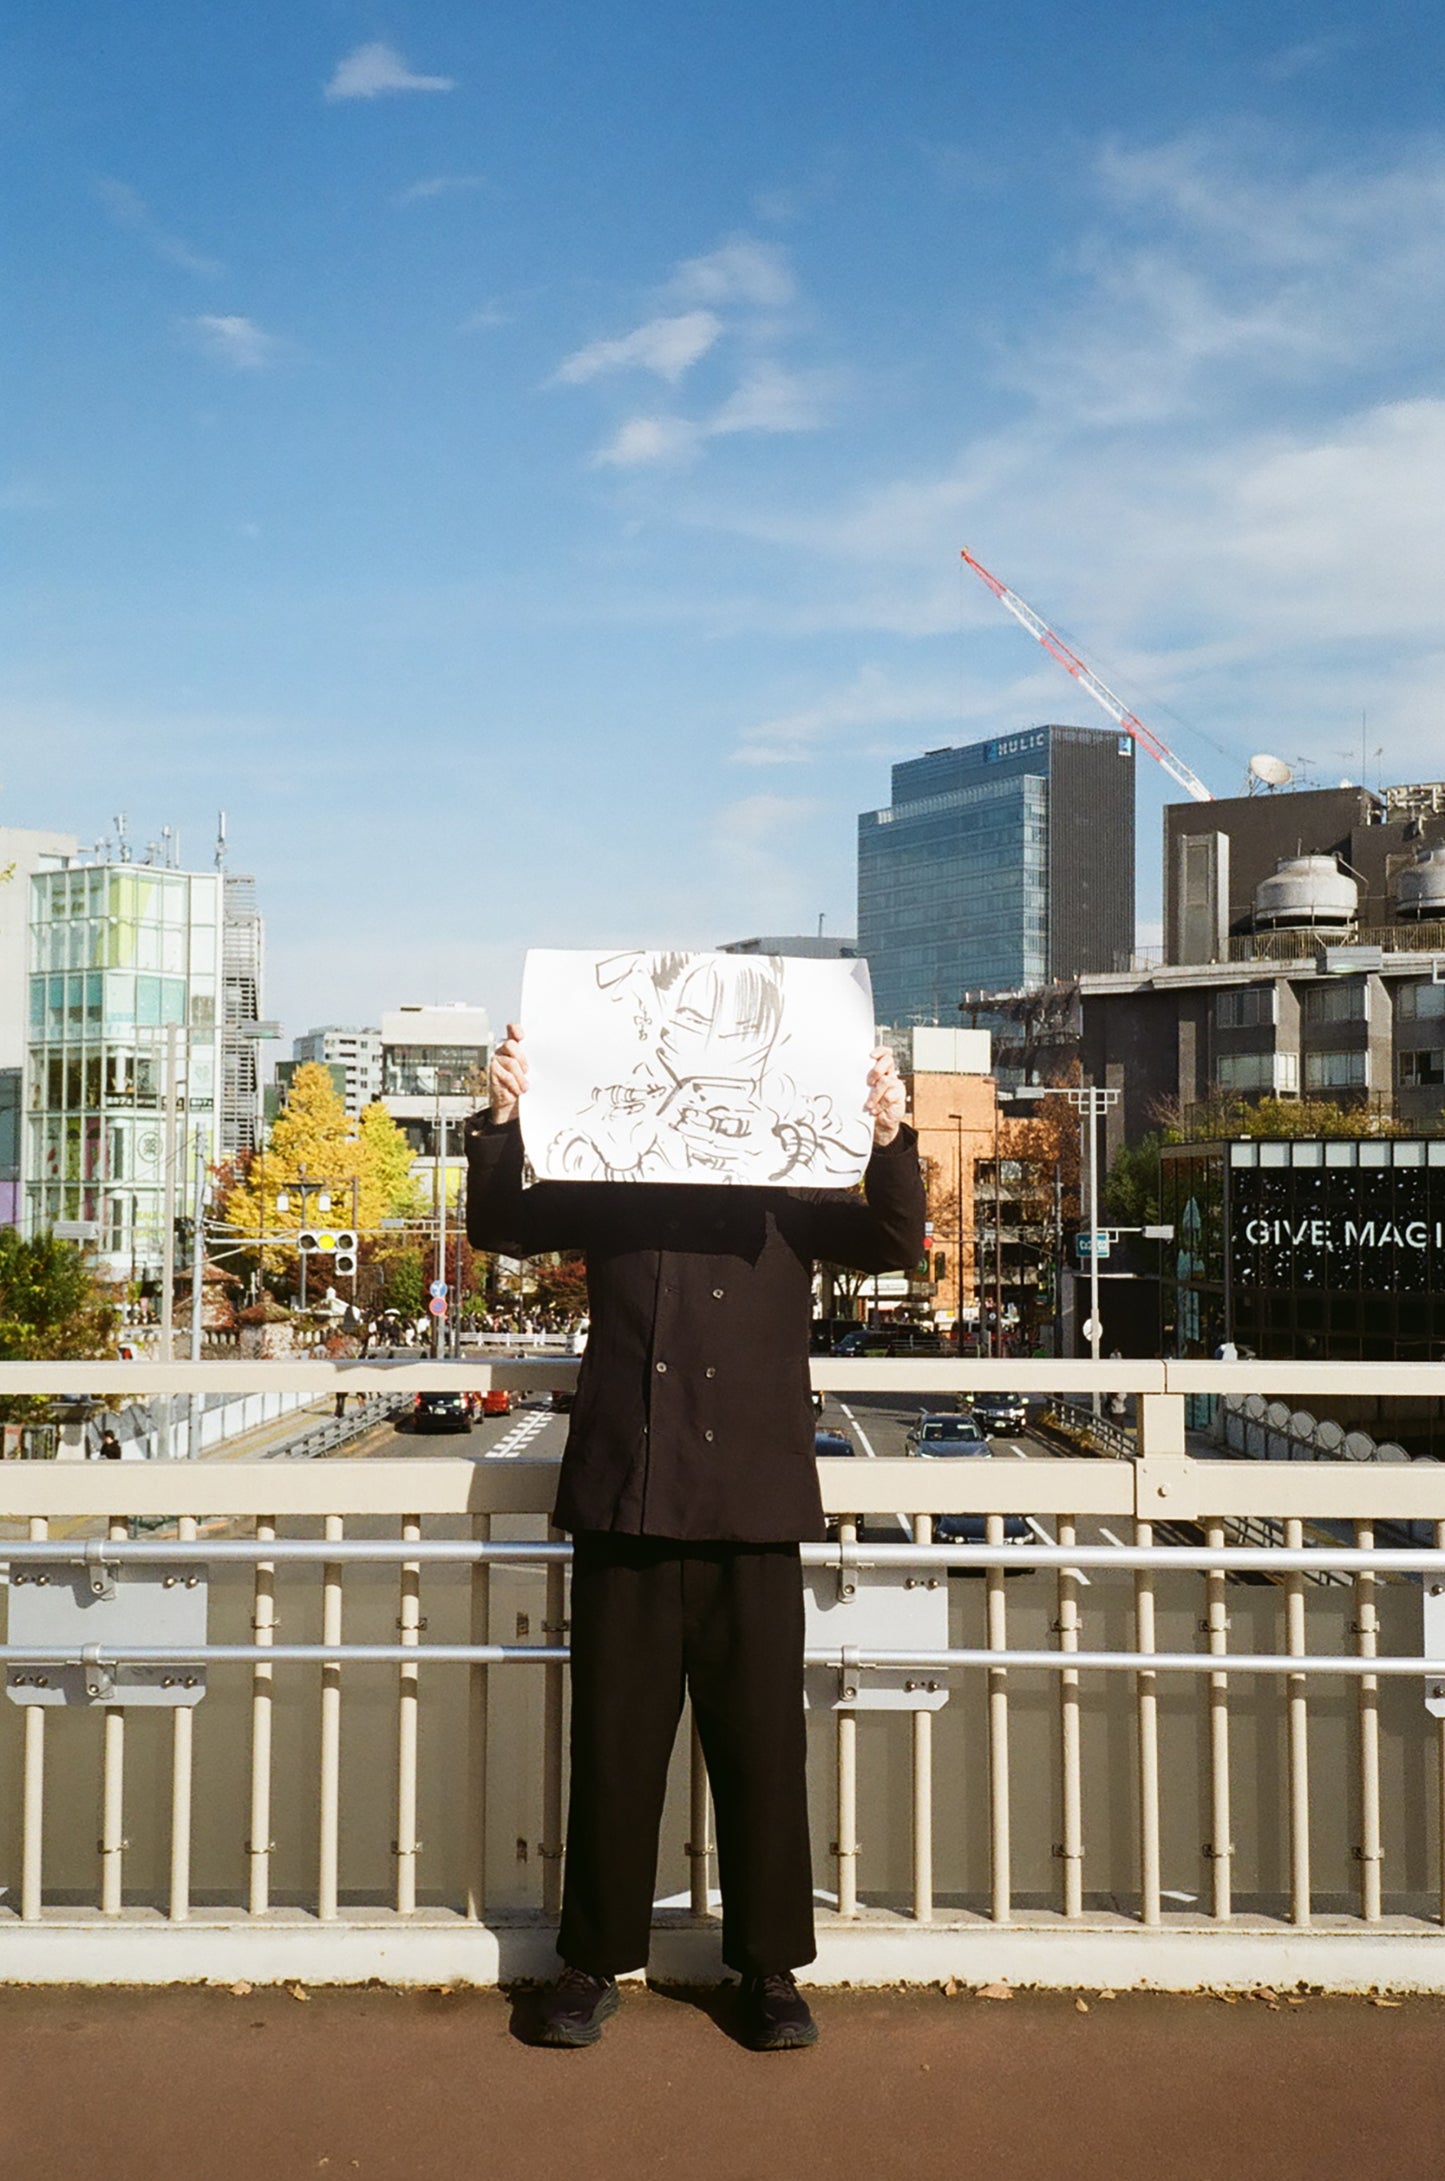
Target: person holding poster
(688, 1482)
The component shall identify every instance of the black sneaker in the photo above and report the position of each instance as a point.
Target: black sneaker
(574, 2009)
(775, 2014)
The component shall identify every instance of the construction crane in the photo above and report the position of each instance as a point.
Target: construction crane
(1101, 693)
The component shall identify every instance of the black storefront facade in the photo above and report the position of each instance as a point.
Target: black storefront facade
(1324, 1249)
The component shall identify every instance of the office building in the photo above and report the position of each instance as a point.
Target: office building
(24, 850)
(433, 1074)
(243, 956)
(356, 1052)
(811, 946)
(1001, 866)
(1308, 1246)
(1304, 957)
(125, 984)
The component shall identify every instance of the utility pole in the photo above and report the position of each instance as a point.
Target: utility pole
(168, 1230)
(198, 1266)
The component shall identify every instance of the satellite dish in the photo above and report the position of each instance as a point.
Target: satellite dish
(1273, 771)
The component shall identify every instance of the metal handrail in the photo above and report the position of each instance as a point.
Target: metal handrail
(1182, 1559)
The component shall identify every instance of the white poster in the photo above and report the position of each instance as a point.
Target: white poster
(652, 1066)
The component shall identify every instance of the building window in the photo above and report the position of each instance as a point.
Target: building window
(1420, 1002)
(1336, 1071)
(1346, 1001)
(1245, 1071)
(1422, 1070)
(1248, 1008)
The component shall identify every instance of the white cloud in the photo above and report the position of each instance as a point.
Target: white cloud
(236, 341)
(872, 699)
(376, 70)
(668, 346)
(129, 209)
(441, 185)
(742, 271)
(644, 441)
(771, 399)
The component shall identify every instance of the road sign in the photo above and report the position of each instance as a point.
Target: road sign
(438, 1287)
(1093, 1245)
(438, 1306)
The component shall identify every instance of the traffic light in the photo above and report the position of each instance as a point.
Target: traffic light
(940, 1262)
(337, 1242)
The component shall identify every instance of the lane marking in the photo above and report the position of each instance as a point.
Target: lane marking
(511, 1444)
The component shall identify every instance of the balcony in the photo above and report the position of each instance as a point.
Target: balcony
(1186, 1736)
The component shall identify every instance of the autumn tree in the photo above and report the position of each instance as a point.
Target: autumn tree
(316, 1142)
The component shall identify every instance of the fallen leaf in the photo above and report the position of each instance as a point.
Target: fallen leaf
(297, 1992)
(950, 1989)
(1376, 2001)
(1230, 1999)
(1108, 1995)
(1081, 2006)
(1295, 1999)
(995, 1991)
(240, 1989)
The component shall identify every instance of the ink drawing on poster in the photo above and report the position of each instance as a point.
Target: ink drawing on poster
(726, 1068)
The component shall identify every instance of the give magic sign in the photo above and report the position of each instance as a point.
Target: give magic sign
(1371, 1229)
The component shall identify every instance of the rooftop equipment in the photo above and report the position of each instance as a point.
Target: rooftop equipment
(1306, 893)
(1420, 887)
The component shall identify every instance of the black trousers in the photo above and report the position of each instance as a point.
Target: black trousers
(652, 1617)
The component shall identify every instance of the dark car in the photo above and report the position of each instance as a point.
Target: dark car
(562, 1399)
(867, 1341)
(952, 1444)
(998, 1413)
(831, 1445)
(441, 1412)
(940, 1431)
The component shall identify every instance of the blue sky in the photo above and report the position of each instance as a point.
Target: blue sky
(515, 460)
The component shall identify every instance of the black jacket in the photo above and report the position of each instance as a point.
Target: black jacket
(692, 1417)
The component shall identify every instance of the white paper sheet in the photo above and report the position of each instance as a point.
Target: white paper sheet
(726, 1068)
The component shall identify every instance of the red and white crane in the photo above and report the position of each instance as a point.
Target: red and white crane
(1101, 693)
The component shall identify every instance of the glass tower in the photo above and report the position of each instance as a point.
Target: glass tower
(999, 867)
(125, 960)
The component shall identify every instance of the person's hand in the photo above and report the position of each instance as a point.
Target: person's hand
(507, 1075)
(886, 1101)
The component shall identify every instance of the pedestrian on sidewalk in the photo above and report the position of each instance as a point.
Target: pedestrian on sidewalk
(688, 1482)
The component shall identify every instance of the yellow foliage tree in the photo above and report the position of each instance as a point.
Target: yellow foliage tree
(316, 1147)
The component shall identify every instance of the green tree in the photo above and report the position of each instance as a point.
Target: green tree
(1223, 1115)
(404, 1290)
(1131, 1188)
(50, 1307)
(49, 1303)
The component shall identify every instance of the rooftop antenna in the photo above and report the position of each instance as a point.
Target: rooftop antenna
(1268, 772)
(220, 840)
(120, 840)
(820, 923)
(166, 856)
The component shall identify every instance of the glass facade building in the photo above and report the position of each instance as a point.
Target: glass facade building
(1307, 1247)
(998, 867)
(122, 956)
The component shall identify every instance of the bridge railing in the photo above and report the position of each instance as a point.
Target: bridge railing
(1072, 1720)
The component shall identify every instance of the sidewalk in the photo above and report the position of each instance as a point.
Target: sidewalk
(432, 2086)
